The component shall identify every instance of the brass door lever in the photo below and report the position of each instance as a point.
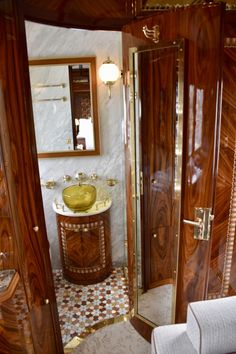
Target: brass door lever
(202, 223)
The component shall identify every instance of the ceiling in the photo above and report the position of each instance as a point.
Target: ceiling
(102, 14)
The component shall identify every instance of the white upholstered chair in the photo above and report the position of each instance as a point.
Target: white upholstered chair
(210, 329)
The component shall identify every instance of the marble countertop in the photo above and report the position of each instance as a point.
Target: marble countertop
(98, 207)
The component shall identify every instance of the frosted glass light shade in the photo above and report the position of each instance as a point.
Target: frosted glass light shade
(109, 72)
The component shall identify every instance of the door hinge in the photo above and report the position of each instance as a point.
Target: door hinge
(141, 182)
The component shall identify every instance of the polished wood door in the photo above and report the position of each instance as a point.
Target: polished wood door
(157, 86)
(202, 28)
(222, 275)
(20, 195)
(15, 334)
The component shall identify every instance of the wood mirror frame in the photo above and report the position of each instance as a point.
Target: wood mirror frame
(93, 90)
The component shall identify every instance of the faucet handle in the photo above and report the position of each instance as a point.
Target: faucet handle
(67, 178)
(81, 176)
(94, 176)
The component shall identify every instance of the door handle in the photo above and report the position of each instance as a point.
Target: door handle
(202, 223)
(194, 223)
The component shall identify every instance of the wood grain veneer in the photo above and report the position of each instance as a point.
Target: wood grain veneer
(85, 247)
(229, 24)
(102, 14)
(8, 258)
(157, 89)
(222, 278)
(15, 327)
(202, 28)
(142, 328)
(18, 154)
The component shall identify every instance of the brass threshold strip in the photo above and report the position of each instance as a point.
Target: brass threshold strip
(77, 340)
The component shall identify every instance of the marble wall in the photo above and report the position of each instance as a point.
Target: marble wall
(54, 42)
(51, 117)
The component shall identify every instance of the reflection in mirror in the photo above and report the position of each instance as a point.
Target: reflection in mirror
(65, 106)
(81, 108)
(157, 160)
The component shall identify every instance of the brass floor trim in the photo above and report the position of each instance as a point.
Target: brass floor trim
(76, 341)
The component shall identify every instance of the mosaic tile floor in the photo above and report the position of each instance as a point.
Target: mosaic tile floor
(81, 306)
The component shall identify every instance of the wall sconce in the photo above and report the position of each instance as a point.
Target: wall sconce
(109, 73)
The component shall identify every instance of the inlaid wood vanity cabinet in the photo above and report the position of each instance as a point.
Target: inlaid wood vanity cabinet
(85, 247)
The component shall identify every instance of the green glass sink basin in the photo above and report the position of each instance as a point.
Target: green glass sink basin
(79, 197)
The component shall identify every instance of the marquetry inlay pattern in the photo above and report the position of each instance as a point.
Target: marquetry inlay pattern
(230, 234)
(85, 247)
(84, 229)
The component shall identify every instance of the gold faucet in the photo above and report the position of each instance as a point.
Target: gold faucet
(50, 184)
(81, 176)
(111, 182)
(67, 178)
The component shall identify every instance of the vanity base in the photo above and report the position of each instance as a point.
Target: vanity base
(85, 247)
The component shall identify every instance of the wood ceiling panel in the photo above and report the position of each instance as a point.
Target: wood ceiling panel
(102, 14)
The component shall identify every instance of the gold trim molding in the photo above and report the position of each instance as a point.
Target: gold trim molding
(158, 5)
(230, 235)
(76, 341)
(136, 166)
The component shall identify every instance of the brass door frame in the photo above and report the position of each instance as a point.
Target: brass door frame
(135, 167)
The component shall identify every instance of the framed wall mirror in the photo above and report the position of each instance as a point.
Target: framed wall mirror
(64, 96)
(157, 117)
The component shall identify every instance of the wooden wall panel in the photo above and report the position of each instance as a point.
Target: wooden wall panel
(8, 258)
(202, 27)
(223, 254)
(229, 24)
(22, 180)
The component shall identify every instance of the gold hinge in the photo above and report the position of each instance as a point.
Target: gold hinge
(127, 78)
(132, 96)
(141, 182)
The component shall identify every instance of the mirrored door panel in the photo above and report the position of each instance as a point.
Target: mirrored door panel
(157, 91)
